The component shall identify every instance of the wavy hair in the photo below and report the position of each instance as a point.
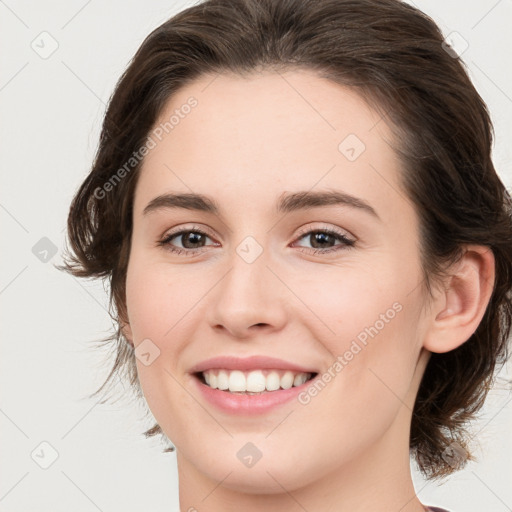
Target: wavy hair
(395, 57)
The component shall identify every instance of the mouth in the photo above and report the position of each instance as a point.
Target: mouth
(252, 385)
(254, 382)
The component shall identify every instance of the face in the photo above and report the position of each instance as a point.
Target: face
(300, 262)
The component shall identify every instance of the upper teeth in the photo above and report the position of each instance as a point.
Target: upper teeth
(255, 381)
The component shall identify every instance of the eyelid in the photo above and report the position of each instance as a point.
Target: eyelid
(348, 240)
(328, 228)
(181, 228)
(302, 231)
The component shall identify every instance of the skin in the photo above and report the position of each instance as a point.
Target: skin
(249, 140)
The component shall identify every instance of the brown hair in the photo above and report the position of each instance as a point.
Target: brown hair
(394, 56)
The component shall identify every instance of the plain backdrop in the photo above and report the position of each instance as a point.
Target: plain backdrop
(61, 451)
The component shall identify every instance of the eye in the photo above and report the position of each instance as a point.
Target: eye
(324, 240)
(191, 240)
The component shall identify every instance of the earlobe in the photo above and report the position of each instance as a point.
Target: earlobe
(458, 310)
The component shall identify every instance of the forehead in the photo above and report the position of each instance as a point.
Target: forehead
(268, 132)
(292, 104)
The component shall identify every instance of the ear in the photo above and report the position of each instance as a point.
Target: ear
(458, 309)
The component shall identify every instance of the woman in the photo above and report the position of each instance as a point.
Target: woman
(309, 250)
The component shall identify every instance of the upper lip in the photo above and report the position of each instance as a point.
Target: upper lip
(249, 363)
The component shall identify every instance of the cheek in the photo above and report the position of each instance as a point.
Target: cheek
(162, 308)
(158, 301)
(343, 302)
(367, 321)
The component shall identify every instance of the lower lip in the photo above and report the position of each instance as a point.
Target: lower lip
(237, 403)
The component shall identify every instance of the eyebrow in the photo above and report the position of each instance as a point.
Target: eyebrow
(288, 202)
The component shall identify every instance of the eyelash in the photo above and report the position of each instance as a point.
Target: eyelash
(346, 243)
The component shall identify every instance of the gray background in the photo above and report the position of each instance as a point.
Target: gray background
(51, 110)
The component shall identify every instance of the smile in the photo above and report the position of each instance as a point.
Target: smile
(255, 381)
(249, 386)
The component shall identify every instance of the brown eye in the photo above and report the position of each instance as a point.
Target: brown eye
(189, 241)
(325, 240)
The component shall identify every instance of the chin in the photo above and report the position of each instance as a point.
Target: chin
(265, 480)
(269, 475)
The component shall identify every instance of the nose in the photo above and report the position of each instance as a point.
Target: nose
(248, 300)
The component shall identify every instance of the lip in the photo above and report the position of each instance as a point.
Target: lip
(248, 405)
(249, 363)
